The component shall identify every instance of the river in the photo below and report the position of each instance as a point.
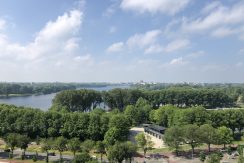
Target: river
(44, 102)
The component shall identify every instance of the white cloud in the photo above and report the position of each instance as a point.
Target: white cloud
(56, 38)
(196, 54)
(177, 61)
(222, 15)
(223, 32)
(211, 7)
(55, 45)
(154, 49)
(142, 40)
(116, 47)
(85, 59)
(169, 7)
(177, 45)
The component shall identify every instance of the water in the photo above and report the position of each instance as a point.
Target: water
(44, 102)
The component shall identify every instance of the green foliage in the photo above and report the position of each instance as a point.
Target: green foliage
(208, 135)
(224, 135)
(191, 135)
(241, 159)
(202, 156)
(100, 148)
(74, 145)
(173, 137)
(213, 158)
(34, 158)
(12, 140)
(84, 157)
(144, 142)
(139, 113)
(87, 145)
(121, 151)
(77, 100)
(240, 149)
(112, 136)
(60, 144)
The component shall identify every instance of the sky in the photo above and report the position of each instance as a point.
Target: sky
(122, 41)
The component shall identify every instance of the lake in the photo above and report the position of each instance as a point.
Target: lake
(44, 102)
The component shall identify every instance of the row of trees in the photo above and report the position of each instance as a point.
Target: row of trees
(33, 88)
(118, 152)
(86, 100)
(195, 136)
(169, 116)
(94, 125)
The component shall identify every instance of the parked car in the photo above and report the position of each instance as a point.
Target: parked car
(6, 150)
(51, 154)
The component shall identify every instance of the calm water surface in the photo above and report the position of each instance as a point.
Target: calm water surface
(45, 101)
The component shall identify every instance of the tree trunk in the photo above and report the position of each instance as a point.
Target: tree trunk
(209, 148)
(101, 157)
(60, 156)
(193, 149)
(47, 159)
(224, 146)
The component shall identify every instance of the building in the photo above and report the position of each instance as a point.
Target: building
(154, 130)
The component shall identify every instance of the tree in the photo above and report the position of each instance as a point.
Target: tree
(87, 145)
(84, 157)
(46, 146)
(12, 140)
(100, 148)
(60, 145)
(23, 142)
(213, 158)
(74, 145)
(121, 151)
(207, 134)
(111, 136)
(144, 142)
(173, 137)
(224, 135)
(191, 136)
(131, 150)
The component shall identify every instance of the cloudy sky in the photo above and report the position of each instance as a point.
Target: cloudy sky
(122, 40)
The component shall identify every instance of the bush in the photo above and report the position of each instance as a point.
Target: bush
(82, 158)
(34, 158)
(214, 158)
(10, 156)
(202, 156)
(229, 150)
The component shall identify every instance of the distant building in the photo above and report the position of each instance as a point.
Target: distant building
(154, 130)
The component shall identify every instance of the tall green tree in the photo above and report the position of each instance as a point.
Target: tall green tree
(208, 135)
(121, 151)
(100, 148)
(46, 145)
(60, 144)
(23, 141)
(12, 140)
(173, 137)
(144, 142)
(224, 135)
(191, 136)
(74, 145)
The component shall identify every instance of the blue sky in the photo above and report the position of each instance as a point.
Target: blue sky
(122, 40)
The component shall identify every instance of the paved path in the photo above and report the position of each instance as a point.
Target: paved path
(158, 143)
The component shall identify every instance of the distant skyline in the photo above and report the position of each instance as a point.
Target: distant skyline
(122, 41)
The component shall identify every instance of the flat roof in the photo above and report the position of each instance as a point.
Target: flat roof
(156, 127)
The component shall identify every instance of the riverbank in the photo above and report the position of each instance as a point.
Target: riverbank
(15, 95)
